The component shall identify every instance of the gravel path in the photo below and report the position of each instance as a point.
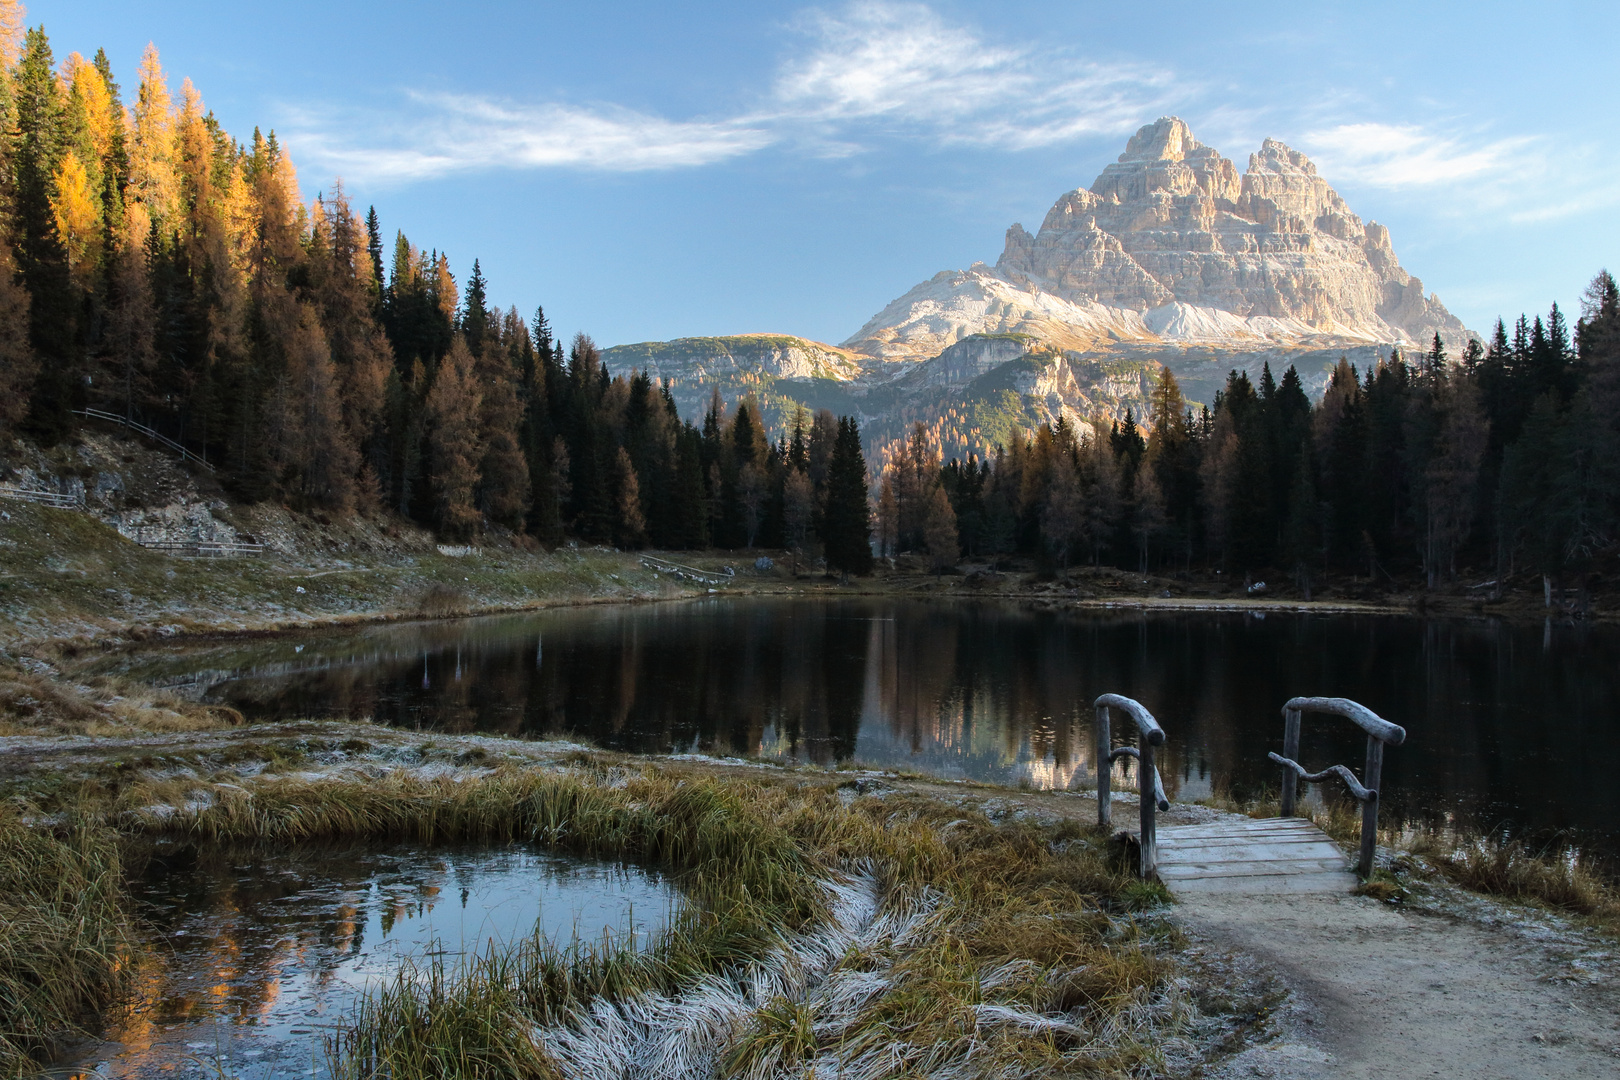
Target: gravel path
(1459, 987)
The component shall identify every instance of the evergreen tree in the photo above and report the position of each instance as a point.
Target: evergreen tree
(846, 528)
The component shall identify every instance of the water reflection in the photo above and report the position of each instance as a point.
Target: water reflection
(256, 956)
(1508, 724)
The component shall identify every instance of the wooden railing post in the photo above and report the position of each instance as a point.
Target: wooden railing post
(1380, 733)
(1147, 799)
(1372, 777)
(1150, 791)
(1290, 783)
(1105, 768)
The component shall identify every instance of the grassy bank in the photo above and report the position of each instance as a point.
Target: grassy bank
(68, 932)
(822, 926)
(66, 575)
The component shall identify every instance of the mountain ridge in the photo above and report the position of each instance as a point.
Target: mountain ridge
(1171, 258)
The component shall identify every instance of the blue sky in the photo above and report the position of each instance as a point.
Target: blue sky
(655, 170)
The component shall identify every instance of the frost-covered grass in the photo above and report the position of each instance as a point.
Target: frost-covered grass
(67, 933)
(883, 937)
(878, 934)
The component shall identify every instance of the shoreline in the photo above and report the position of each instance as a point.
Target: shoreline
(140, 634)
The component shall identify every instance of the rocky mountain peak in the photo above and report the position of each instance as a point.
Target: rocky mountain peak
(1170, 243)
(1164, 157)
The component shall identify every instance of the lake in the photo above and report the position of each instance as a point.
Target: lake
(1509, 725)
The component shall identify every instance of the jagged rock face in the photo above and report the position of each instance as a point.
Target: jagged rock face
(1171, 243)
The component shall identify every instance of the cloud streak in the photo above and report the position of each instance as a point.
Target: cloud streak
(1408, 156)
(457, 133)
(872, 70)
(1524, 179)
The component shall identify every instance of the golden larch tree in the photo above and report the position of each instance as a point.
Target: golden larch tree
(152, 177)
(76, 210)
(452, 414)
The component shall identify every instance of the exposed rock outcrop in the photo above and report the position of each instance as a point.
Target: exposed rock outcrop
(1171, 243)
(725, 359)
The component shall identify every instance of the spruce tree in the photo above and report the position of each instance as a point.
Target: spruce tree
(475, 312)
(846, 529)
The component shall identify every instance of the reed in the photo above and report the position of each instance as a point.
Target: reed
(65, 950)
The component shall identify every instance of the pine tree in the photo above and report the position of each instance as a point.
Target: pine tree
(374, 255)
(36, 156)
(475, 312)
(846, 529)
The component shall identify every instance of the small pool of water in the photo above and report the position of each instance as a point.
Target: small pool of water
(257, 957)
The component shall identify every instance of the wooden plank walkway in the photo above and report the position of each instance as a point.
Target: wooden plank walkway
(1252, 856)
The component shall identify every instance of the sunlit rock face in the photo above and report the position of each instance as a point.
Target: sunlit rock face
(1171, 244)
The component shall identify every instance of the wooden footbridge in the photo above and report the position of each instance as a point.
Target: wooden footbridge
(1257, 856)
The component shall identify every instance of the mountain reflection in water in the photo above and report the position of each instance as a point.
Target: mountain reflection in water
(1511, 725)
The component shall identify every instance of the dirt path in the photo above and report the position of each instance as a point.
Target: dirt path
(1449, 990)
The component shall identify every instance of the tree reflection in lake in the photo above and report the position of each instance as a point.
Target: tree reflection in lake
(1518, 725)
(255, 957)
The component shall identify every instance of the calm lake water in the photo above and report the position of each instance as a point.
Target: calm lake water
(258, 956)
(1515, 726)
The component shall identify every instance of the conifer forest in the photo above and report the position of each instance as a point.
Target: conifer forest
(161, 269)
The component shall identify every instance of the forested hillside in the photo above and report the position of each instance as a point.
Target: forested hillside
(160, 269)
(1504, 459)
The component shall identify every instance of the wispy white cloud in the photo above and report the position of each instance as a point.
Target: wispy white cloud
(1407, 155)
(1520, 179)
(906, 68)
(438, 134)
(870, 69)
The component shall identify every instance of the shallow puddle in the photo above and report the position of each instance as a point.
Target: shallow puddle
(257, 957)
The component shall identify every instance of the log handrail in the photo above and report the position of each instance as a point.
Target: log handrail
(1341, 771)
(1380, 732)
(1355, 712)
(1150, 787)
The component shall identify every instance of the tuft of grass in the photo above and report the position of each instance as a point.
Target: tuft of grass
(66, 947)
(1511, 869)
(439, 601)
(32, 704)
